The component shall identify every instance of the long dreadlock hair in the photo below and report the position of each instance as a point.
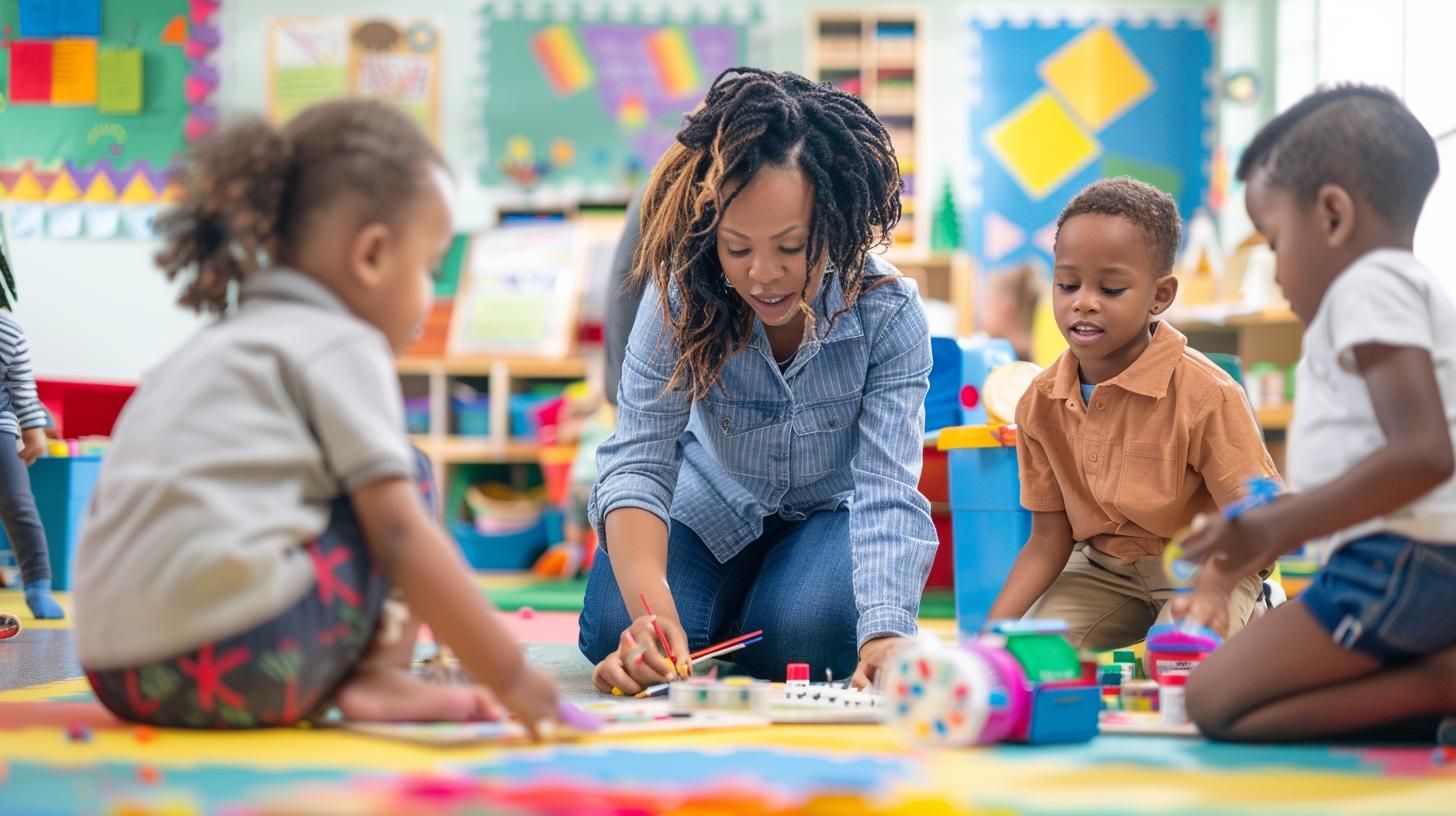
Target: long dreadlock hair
(252, 190)
(752, 119)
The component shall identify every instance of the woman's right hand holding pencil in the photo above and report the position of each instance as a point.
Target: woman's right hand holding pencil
(639, 661)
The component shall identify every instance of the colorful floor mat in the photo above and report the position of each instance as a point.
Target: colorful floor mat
(61, 753)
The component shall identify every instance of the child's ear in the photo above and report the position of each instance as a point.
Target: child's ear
(1335, 210)
(1165, 288)
(367, 254)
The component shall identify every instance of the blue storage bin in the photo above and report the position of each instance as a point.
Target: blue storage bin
(515, 551)
(1064, 714)
(417, 415)
(523, 415)
(472, 416)
(988, 525)
(62, 488)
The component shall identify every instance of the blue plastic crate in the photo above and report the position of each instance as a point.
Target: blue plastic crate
(988, 525)
(515, 551)
(62, 488)
(472, 417)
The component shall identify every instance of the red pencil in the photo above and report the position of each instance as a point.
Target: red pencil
(658, 629)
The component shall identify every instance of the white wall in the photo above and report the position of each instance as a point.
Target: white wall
(1404, 45)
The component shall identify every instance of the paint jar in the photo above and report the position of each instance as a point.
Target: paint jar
(1126, 662)
(1172, 705)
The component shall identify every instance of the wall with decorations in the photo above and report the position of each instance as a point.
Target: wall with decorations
(78, 295)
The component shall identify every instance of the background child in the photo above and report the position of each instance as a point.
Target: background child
(1127, 436)
(223, 577)
(1009, 308)
(1336, 184)
(22, 431)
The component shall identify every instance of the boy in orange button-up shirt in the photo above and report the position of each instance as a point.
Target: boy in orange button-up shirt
(1127, 437)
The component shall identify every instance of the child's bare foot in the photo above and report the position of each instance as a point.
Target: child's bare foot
(394, 695)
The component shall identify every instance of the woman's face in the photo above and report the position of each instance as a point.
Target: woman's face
(762, 245)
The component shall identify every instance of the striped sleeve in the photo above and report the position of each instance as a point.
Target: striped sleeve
(19, 378)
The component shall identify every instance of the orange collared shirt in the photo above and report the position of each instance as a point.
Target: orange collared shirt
(1165, 440)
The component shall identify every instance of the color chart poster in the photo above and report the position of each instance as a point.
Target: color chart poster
(1057, 104)
(593, 103)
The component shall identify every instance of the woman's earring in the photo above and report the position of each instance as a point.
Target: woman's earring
(726, 282)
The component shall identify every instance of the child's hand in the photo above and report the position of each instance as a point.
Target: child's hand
(1240, 547)
(1204, 607)
(639, 662)
(873, 656)
(532, 699)
(33, 444)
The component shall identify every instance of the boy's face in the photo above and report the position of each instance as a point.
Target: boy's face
(1304, 261)
(1106, 287)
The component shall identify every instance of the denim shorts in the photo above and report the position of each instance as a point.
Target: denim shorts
(1388, 597)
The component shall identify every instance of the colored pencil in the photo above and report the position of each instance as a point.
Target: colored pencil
(698, 655)
(660, 688)
(666, 649)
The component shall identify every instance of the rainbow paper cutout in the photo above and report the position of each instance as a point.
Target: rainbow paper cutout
(562, 59)
(632, 113)
(673, 61)
(176, 31)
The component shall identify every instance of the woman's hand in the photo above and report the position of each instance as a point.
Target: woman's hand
(638, 661)
(873, 656)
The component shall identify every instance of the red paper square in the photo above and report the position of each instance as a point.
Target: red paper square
(30, 72)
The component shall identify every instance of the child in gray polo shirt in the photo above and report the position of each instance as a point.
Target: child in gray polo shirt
(223, 577)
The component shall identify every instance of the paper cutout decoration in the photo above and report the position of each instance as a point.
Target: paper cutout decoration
(63, 190)
(202, 10)
(201, 40)
(673, 62)
(562, 59)
(73, 72)
(101, 190)
(27, 188)
(27, 221)
(1002, 236)
(60, 18)
(119, 90)
(64, 222)
(176, 31)
(30, 72)
(201, 121)
(103, 222)
(139, 190)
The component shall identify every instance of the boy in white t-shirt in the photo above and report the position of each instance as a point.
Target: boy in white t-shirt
(1336, 184)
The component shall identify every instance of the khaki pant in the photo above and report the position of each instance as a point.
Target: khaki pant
(1109, 604)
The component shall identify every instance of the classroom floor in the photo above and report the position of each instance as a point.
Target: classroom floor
(114, 768)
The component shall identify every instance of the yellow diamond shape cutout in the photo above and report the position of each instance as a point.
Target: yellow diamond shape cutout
(1097, 76)
(1041, 145)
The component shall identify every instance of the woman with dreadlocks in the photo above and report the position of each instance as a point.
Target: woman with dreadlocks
(764, 466)
(22, 441)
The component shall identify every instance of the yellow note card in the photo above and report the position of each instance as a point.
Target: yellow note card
(119, 76)
(73, 71)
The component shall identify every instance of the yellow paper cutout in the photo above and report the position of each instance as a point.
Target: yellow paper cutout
(100, 191)
(139, 190)
(172, 193)
(27, 188)
(1041, 145)
(64, 190)
(73, 71)
(1097, 77)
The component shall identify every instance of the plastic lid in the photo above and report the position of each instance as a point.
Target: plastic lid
(1004, 386)
(1124, 656)
(798, 673)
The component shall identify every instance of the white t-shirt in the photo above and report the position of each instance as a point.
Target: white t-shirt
(1386, 297)
(224, 463)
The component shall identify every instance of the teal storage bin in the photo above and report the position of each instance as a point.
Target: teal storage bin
(472, 417)
(514, 551)
(62, 488)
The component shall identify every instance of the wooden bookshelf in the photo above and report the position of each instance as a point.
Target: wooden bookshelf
(879, 56)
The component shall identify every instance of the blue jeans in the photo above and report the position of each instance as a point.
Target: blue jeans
(794, 583)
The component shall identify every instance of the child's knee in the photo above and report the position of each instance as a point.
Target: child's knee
(1211, 706)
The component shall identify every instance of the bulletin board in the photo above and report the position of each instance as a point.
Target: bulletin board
(312, 59)
(520, 291)
(573, 97)
(98, 100)
(1057, 103)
